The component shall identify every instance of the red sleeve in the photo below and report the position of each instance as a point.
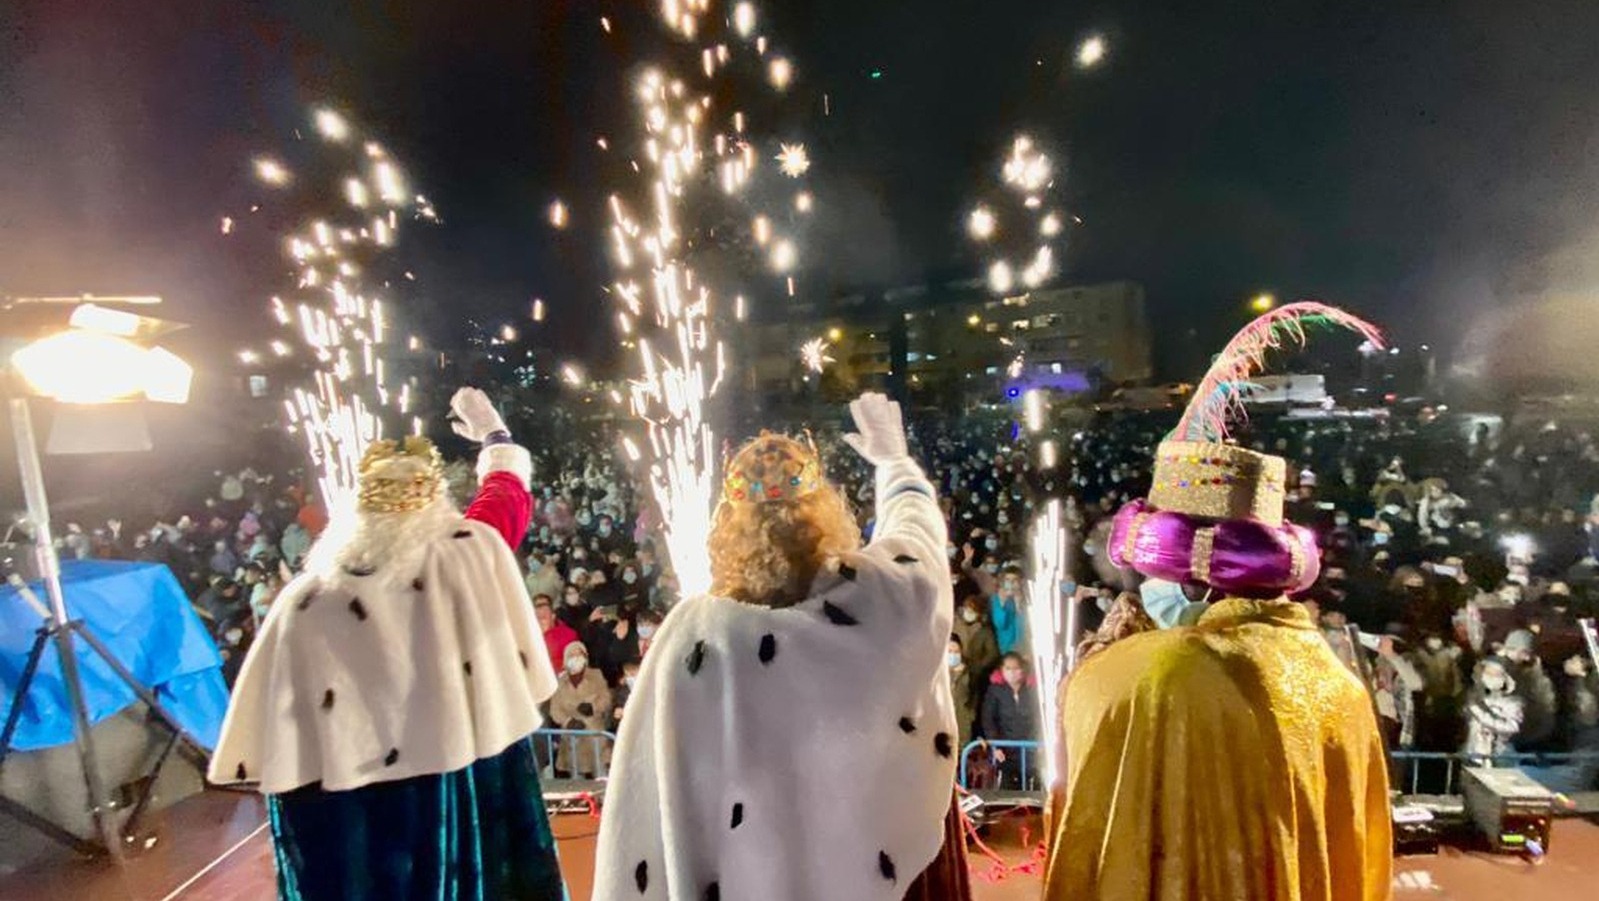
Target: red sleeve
(503, 503)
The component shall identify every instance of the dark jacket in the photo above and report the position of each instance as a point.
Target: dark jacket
(1009, 715)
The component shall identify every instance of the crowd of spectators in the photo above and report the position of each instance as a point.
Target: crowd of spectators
(1458, 560)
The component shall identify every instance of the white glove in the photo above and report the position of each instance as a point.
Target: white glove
(882, 430)
(475, 416)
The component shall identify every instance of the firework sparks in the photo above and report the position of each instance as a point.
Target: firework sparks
(813, 354)
(980, 225)
(803, 202)
(793, 160)
(1033, 409)
(1000, 277)
(342, 326)
(784, 256)
(271, 172)
(1027, 168)
(572, 375)
(1028, 174)
(780, 72)
(744, 19)
(1047, 633)
(331, 125)
(688, 142)
(1091, 52)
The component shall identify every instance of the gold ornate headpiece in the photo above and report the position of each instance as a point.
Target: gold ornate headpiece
(772, 468)
(400, 477)
(1218, 481)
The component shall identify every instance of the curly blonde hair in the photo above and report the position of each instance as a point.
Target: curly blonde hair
(769, 553)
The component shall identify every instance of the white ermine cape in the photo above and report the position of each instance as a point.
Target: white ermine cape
(796, 754)
(417, 660)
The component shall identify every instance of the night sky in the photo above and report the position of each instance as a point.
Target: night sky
(1420, 162)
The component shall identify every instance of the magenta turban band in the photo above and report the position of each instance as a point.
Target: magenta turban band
(1235, 555)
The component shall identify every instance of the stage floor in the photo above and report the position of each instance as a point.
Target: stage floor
(214, 847)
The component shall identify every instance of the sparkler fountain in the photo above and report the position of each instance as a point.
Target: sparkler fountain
(340, 320)
(666, 308)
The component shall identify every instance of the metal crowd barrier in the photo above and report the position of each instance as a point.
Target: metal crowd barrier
(1414, 772)
(1024, 747)
(1405, 767)
(584, 746)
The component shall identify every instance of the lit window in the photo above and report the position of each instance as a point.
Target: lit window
(258, 386)
(992, 370)
(991, 327)
(1055, 368)
(1020, 325)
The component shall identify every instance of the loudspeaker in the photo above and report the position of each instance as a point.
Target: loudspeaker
(50, 783)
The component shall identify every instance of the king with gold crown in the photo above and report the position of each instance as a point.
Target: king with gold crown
(386, 707)
(1236, 758)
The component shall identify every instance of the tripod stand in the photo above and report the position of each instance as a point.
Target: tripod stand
(60, 629)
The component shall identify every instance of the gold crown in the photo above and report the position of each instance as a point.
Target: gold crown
(381, 493)
(1218, 481)
(771, 468)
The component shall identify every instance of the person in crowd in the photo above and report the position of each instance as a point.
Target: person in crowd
(557, 634)
(1394, 683)
(1534, 688)
(960, 689)
(615, 641)
(977, 640)
(1010, 714)
(223, 561)
(1438, 719)
(1245, 722)
(543, 576)
(815, 669)
(1494, 712)
(400, 672)
(634, 594)
(1005, 612)
(295, 543)
(575, 610)
(646, 624)
(581, 703)
(624, 692)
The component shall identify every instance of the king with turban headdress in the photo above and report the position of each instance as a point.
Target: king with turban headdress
(1236, 758)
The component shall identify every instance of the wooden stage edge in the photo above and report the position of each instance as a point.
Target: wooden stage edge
(214, 847)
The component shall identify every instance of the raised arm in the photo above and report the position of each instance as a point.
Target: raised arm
(907, 506)
(504, 469)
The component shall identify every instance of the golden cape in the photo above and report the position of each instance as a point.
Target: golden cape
(1235, 759)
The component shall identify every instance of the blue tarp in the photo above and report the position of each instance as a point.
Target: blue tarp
(140, 613)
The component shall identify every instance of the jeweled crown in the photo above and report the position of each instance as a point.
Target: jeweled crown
(400, 476)
(771, 468)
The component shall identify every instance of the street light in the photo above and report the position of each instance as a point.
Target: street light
(1263, 302)
(95, 360)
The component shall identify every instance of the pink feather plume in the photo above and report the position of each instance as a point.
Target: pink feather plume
(1218, 396)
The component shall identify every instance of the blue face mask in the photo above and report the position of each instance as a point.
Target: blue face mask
(1163, 601)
